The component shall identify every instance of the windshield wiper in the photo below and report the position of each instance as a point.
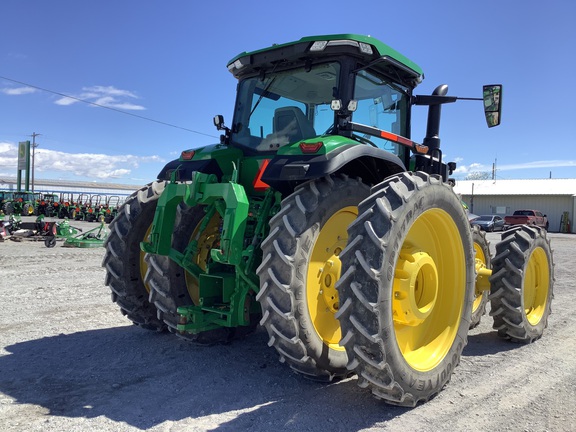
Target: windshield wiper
(264, 92)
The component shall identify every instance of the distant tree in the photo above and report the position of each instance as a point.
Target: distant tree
(478, 175)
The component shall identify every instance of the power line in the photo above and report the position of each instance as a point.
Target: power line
(107, 107)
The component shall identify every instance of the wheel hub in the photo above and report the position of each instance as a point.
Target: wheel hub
(324, 270)
(536, 286)
(329, 274)
(415, 287)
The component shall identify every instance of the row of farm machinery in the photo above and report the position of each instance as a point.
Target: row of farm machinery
(70, 205)
(49, 232)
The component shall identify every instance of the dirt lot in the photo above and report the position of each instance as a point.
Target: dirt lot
(70, 361)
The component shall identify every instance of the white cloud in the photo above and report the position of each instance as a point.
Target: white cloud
(17, 91)
(107, 96)
(65, 101)
(86, 165)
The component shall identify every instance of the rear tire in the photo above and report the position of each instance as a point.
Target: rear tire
(124, 261)
(522, 284)
(299, 269)
(406, 295)
(27, 210)
(482, 259)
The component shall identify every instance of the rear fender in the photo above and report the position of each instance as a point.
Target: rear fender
(371, 164)
(214, 159)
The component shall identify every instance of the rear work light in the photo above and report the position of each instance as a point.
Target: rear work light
(362, 47)
(311, 147)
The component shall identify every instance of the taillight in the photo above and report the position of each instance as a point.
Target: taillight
(187, 154)
(311, 147)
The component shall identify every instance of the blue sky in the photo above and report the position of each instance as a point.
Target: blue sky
(166, 60)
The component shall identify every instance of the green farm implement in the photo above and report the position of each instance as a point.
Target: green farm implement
(92, 238)
(319, 218)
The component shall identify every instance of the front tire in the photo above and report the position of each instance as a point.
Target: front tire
(299, 269)
(124, 261)
(522, 282)
(406, 295)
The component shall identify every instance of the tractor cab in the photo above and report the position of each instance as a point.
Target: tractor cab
(292, 94)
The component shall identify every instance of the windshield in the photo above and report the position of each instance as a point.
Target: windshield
(285, 107)
(485, 218)
(382, 105)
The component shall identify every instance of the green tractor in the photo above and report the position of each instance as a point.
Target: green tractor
(23, 204)
(6, 198)
(66, 205)
(47, 205)
(81, 207)
(111, 208)
(318, 217)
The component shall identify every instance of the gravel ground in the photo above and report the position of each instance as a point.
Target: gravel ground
(70, 361)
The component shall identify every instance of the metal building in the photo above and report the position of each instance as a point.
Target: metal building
(555, 198)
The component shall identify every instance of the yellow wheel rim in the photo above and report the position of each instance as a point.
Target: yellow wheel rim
(324, 270)
(207, 240)
(143, 265)
(480, 263)
(429, 289)
(536, 286)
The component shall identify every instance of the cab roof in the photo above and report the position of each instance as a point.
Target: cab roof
(367, 48)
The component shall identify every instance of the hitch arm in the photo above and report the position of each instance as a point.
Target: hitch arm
(203, 190)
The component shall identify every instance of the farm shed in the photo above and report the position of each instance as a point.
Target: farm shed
(553, 197)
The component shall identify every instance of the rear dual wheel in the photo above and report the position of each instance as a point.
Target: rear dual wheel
(298, 275)
(407, 289)
(522, 284)
(124, 261)
(482, 260)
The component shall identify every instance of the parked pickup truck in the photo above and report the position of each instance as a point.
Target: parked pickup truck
(526, 217)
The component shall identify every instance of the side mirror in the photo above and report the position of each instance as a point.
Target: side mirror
(219, 122)
(492, 95)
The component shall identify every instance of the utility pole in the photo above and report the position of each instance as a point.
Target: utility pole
(494, 169)
(34, 145)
